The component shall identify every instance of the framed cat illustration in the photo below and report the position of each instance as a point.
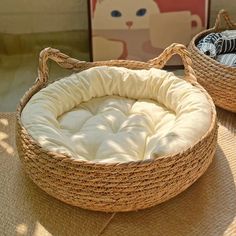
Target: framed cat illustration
(142, 29)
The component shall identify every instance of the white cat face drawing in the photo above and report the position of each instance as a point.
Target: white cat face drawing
(123, 14)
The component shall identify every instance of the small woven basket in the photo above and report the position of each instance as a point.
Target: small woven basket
(121, 186)
(218, 79)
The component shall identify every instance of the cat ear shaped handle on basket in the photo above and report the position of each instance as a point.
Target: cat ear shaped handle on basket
(61, 59)
(224, 15)
(181, 50)
(70, 63)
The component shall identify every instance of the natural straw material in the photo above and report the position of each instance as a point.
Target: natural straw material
(218, 79)
(114, 187)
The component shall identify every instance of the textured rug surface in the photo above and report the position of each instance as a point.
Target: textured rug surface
(208, 207)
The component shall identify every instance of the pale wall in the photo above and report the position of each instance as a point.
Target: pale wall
(31, 16)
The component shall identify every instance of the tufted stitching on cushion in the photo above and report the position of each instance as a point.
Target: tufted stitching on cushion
(150, 129)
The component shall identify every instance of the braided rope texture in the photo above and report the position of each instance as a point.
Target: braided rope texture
(113, 187)
(219, 80)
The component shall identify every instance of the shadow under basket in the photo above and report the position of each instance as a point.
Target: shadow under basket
(120, 186)
(218, 79)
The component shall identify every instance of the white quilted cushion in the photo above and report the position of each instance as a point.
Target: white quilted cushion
(112, 114)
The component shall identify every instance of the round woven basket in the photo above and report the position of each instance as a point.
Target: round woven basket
(120, 186)
(218, 79)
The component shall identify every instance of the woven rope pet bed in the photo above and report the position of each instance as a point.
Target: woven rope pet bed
(218, 79)
(113, 187)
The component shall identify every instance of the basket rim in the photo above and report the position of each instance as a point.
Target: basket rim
(211, 60)
(71, 159)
